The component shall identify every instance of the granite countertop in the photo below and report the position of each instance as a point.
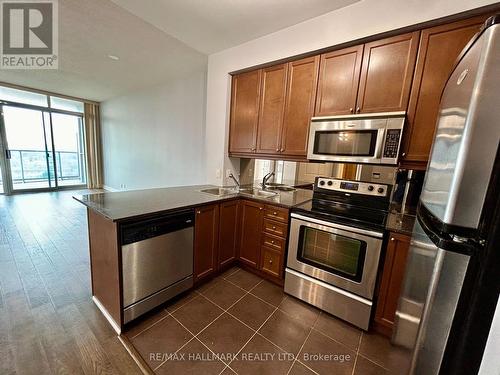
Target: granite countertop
(123, 205)
(401, 220)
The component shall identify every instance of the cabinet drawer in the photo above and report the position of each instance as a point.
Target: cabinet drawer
(273, 242)
(271, 262)
(275, 228)
(276, 213)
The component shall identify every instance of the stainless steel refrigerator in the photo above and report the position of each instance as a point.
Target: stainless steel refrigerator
(452, 277)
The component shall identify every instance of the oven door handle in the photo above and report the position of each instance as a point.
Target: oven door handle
(338, 226)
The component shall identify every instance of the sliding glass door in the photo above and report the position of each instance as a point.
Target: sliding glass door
(69, 147)
(41, 149)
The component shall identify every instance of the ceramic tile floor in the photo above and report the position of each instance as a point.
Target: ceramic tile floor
(240, 323)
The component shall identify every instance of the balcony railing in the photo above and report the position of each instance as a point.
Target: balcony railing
(31, 166)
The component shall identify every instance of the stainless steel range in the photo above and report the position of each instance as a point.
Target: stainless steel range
(334, 248)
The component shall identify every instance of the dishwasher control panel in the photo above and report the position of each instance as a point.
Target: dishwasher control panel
(144, 229)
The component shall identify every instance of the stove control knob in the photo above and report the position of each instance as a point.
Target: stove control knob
(370, 187)
(380, 190)
(330, 183)
(322, 182)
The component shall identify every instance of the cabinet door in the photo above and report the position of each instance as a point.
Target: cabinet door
(206, 230)
(271, 262)
(439, 49)
(386, 75)
(272, 107)
(251, 223)
(245, 96)
(392, 280)
(338, 81)
(299, 105)
(228, 232)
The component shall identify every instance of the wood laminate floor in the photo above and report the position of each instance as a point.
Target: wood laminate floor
(48, 322)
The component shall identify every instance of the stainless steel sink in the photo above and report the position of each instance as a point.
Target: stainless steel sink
(258, 192)
(274, 184)
(219, 191)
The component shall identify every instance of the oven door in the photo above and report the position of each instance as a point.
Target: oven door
(339, 255)
(355, 141)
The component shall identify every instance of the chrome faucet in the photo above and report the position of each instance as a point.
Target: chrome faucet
(234, 179)
(266, 178)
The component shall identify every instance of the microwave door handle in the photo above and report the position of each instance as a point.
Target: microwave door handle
(379, 145)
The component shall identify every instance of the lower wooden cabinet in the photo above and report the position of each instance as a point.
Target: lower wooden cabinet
(391, 282)
(206, 234)
(246, 231)
(251, 227)
(271, 261)
(228, 232)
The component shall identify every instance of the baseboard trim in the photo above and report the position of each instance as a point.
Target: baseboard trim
(135, 356)
(107, 315)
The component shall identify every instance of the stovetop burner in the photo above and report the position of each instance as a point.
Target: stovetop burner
(354, 203)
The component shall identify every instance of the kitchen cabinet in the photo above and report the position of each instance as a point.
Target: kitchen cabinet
(391, 282)
(251, 226)
(299, 106)
(228, 232)
(286, 105)
(206, 235)
(386, 74)
(245, 99)
(272, 106)
(264, 231)
(439, 48)
(338, 81)
(271, 262)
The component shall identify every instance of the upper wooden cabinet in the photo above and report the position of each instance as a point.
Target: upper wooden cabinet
(386, 74)
(439, 48)
(245, 99)
(272, 106)
(287, 94)
(299, 105)
(338, 81)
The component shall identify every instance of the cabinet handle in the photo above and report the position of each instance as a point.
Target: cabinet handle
(274, 228)
(277, 150)
(260, 208)
(272, 241)
(392, 238)
(270, 261)
(358, 110)
(403, 154)
(282, 150)
(198, 212)
(274, 213)
(351, 110)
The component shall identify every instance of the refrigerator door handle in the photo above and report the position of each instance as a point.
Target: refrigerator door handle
(446, 242)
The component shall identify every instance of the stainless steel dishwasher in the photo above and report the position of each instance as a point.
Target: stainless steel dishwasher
(157, 261)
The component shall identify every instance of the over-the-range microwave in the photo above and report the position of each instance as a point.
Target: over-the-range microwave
(365, 138)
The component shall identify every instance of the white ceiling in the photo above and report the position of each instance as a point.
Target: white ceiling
(213, 25)
(90, 30)
(156, 40)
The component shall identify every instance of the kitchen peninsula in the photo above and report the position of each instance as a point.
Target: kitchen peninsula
(178, 230)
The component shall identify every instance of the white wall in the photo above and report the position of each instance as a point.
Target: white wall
(368, 17)
(155, 137)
